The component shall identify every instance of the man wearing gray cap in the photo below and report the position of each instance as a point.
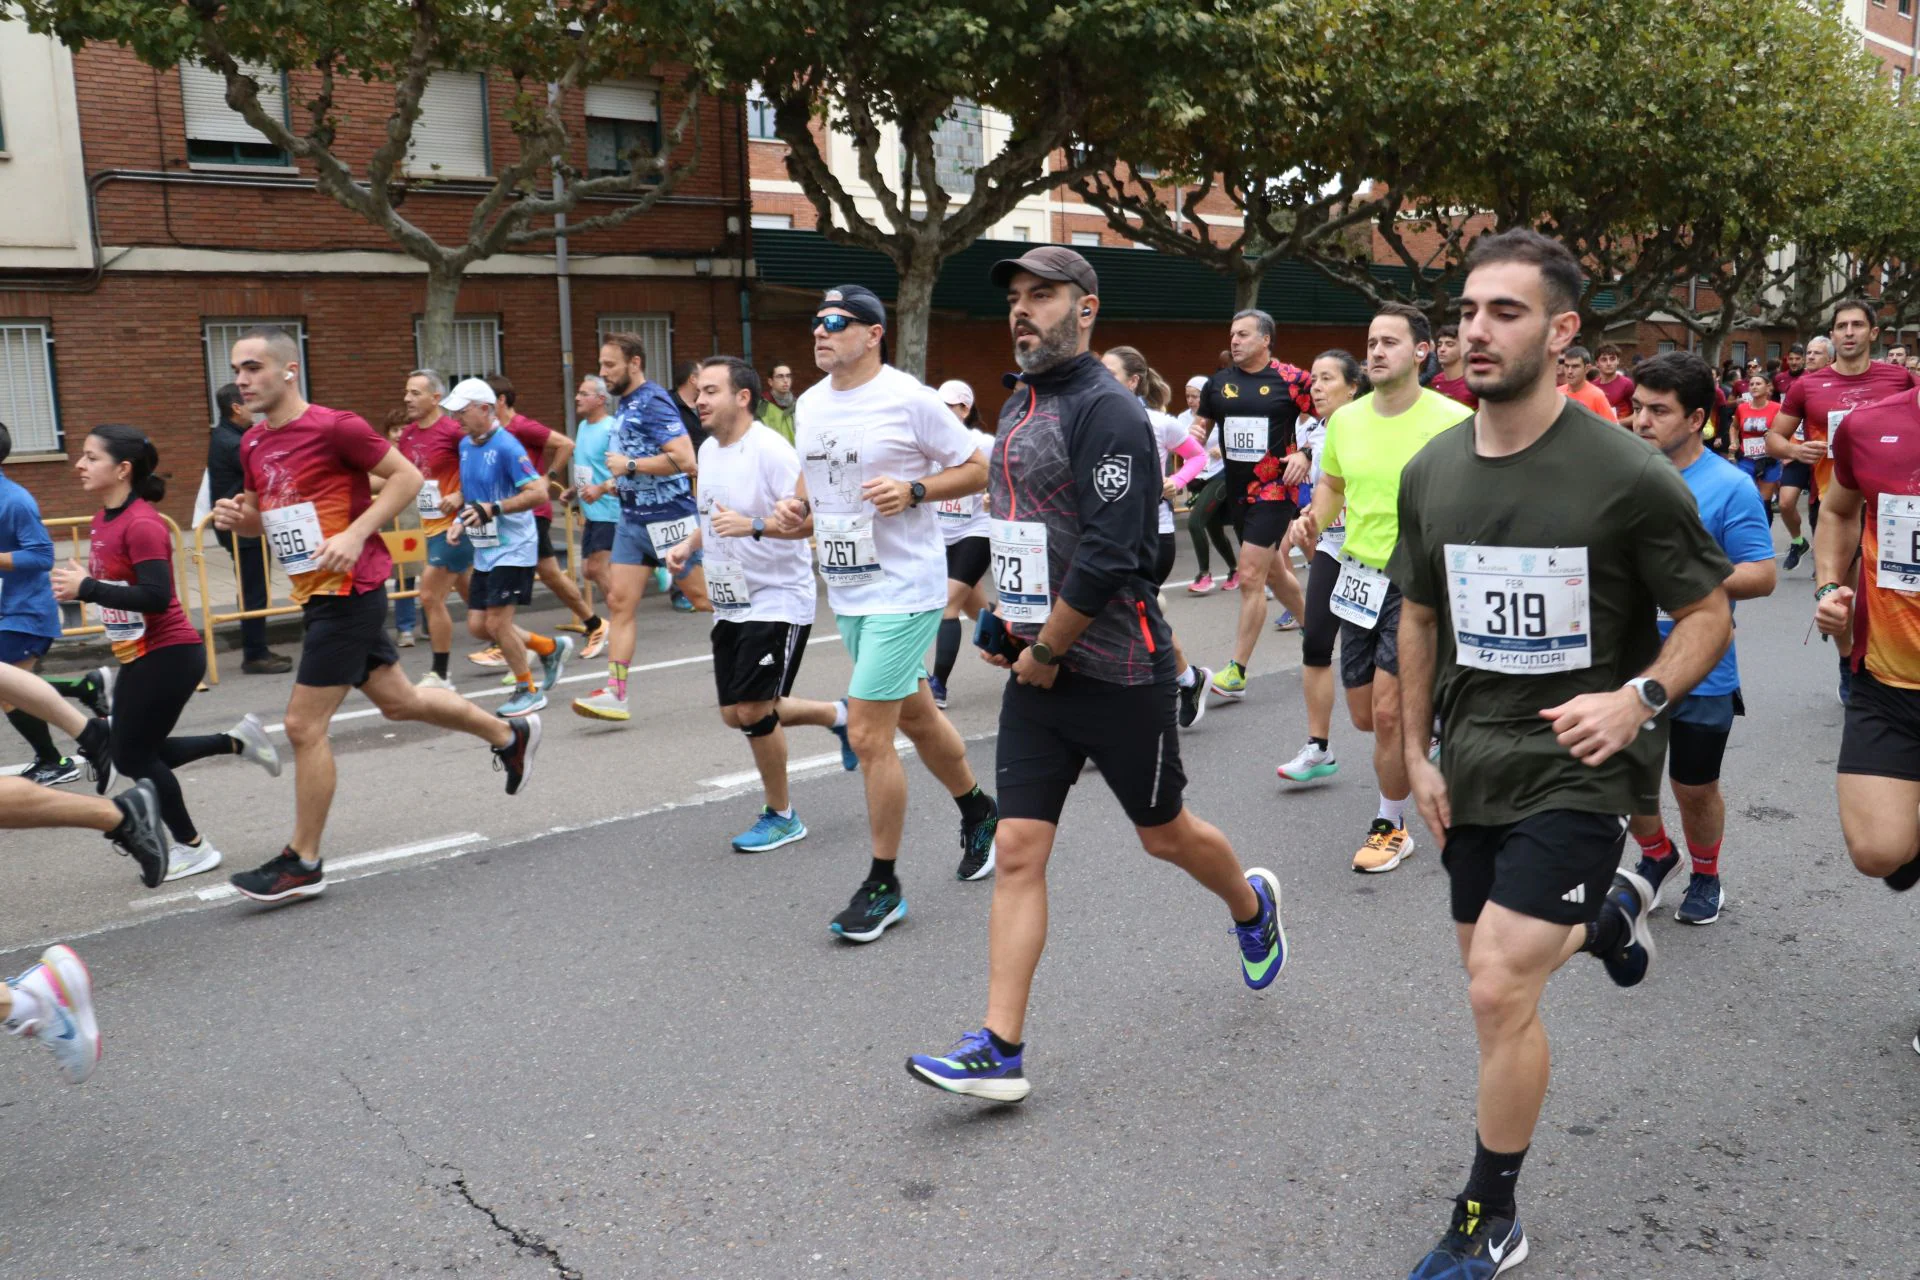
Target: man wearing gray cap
(878, 451)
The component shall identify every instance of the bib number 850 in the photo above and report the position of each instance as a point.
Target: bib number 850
(1517, 613)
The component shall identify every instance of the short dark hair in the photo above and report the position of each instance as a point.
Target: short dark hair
(683, 369)
(6, 442)
(629, 344)
(1608, 349)
(1448, 331)
(1350, 370)
(503, 387)
(1685, 375)
(1577, 352)
(740, 377)
(1559, 269)
(225, 400)
(1417, 323)
(1864, 307)
(1797, 349)
(283, 344)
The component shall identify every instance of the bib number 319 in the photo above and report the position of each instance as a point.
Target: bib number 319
(1520, 610)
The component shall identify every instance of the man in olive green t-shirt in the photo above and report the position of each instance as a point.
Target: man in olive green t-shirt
(1368, 443)
(1535, 544)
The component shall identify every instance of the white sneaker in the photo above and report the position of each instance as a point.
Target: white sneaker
(434, 680)
(1310, 764)
(67, 1026)
(255, 746)
(184, 860)
(602, 705)
(404, 640)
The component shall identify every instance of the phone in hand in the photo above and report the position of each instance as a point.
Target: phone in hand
(990, 634)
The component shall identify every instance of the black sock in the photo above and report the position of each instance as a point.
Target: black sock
(1495, 1173)
(593, 620)
(38, 736)
(883, 873)
(975, 806)
(440, 663)
(1005, 1048)
(1609, 933)
(1319, 742)
(946, 648)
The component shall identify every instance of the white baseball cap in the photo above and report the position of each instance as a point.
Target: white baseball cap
(955, 391)
(468, 391)
(1197, 383)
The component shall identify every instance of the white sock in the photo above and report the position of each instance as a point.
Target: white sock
(839, 715)
(785, 815)
(1392, 811)
(1187, 677)
(26, 1008)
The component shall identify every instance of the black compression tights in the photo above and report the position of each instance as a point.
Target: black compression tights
(1207, 518)
(148, 698)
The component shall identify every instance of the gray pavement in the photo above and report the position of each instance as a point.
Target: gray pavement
(621, 1050)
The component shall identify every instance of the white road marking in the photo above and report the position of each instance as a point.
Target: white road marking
(806, 764)
(221, 892)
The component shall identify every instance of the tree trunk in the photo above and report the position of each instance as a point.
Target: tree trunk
(436, 322)
(913, 309)
(1247, 276)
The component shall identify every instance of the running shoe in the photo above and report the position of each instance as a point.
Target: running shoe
(185, 860)
(973, 1068)
(1231, 682)
(140, 835)
(96, 693)
(488, 657)
(1309, 764)
(1904, 878)
(1632, 896)
(63, 990)
(1200, 586)
(977, 848)
(1232, 583)
(282, 879)
(1263, 944)
(434, 680)
(875, 908)
(597, 640)
(1655, 872)
(1286, 621)
(523, 703)
(516, 758)
(96, 748)
(1387, 847)
(662, 580)
(1705, 897)
(769, 831)
(1796, 551)
(404, 640)
(938, 688)
(255, 746)
(849, 759)
(601, 704)
(554, 665)
(53, 773)
(1193, 698)
(680, 602)
(1477, 1246)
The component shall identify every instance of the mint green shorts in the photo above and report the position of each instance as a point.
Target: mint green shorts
(889, 652)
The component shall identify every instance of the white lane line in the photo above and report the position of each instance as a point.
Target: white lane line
(806, 764)
(221, 892)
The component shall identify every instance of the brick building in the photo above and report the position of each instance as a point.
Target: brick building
(148, 225)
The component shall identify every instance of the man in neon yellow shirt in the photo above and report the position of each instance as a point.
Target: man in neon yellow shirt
(1369, 442)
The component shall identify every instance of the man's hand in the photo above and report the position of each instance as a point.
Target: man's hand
(1169, 490)
(1304, 532)
(1834, 613)
(449, 504)
(889, 496)
(1299, 467)
(1430, 796)
(341, 552)
(1594, 726)
(1028, 671)
(228, 514)
(617, 463)
(729, 524)
(677, 559)
(1808, 451)
(789, 515)
(66, 579)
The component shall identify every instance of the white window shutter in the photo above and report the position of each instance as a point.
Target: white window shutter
(629, 100)
(203, 94)
(450, 137)
(26, 388)
(655, 332)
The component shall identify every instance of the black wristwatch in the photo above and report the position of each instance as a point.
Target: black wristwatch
(1043, 654)
(633, 467)
(759, 527)
(917, 493)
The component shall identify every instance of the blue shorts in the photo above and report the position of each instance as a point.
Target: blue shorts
(18, 646)
(1763, 470)
(455, 558)
(1710, 711)
(599, 536)
(889, 652)
(633, 545)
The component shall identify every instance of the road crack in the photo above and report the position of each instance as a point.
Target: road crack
(526, 1241)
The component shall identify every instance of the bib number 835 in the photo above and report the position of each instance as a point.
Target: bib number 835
(1517, 613)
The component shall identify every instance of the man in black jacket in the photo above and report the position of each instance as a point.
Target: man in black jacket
(224, 480)
(1074, 488)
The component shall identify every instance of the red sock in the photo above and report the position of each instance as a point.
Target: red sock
(1706, 857)
(1655, 846)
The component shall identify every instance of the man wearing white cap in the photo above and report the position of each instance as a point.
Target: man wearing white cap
(963, 525)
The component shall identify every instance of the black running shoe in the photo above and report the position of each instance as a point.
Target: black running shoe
(1477, 1246)
(1904, 878)
(281, 879)
(1795, 551)
(976, 845)
(876, 907)
(140, 835)
(1632, 897)
(54, 773)
(1193, 698)
(96, 748)
(95, 692)
(517, 756)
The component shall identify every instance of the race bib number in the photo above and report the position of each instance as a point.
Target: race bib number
(484, 534)
(954, 508)
(1520, 610)
(427, 503)
(123, 626)
(1753, 447)
(1359, 594)
(1245, 439)
(727, 589)
(665, 534)
(1834, 418)
(848, 557)
(1899, 544)
(1020, 570)
(582, 476)
(293, 534)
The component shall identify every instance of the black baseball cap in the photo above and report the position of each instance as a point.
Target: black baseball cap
(858, 301)
(1049, 262)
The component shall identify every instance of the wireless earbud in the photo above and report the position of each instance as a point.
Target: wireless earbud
(1086, 311)
(286, 376)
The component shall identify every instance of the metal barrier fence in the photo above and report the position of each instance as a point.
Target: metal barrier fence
(77, 526)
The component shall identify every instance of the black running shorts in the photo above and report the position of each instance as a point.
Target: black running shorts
(1882, 733)
(1128, 731)
(1265, 524)
(1364, 650)
(756, 661)
(502, 585)
(1796, 475)
(969, 559)
(1555, 866)
(346, 640)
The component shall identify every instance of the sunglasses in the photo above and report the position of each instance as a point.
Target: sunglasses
(832, 324)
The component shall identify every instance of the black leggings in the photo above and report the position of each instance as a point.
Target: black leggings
(148, 698)
(1319, 627)
(1163, 559)
(1208, 517)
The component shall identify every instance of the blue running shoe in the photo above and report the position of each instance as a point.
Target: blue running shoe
(876, 907)
(522, 704)
(769, 831)
(1286, 621)
(1704, 899)
(1263, 944)
(978, 851)
(974, 1068)
(554, 665)
(1632, 896)
(662, 580)
(939, 689)
(680, 602)
(848, 760)
(1796, 549)
(1655, 872)
(1477, 1246)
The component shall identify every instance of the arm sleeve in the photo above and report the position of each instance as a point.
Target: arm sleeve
(150, 592)
(1410, 567)
(1112, 431)
(32, 547)
(1672, 551)
(1194, 461)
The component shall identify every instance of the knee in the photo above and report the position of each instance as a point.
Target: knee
(1499, 1000)
(1166, 840)
(1385, 714)
(756, 719)
(1019, 855)
(1361, 713)
(1879, 856)
(870, 741)
(304, 729)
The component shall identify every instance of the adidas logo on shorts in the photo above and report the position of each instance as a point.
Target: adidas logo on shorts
(1576, 895)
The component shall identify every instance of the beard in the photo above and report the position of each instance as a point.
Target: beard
(1055, 346)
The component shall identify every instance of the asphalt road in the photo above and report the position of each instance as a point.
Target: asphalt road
(584, 1039)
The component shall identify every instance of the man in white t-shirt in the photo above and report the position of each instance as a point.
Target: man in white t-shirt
(878, 451)
(761, 586)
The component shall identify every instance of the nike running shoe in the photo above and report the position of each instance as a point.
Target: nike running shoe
(255, 746)
(53, 773)
(282, 879)
(1477, 1246)
(140, 835)
(973, 1068)
(1632, 896)
(1231, 682)
(1655, 872)
(1387, 847)
(1704, 899)
(434, 680)
(977, 848)
(597, 640)
(1193, 698)
(769, 831)
(63, 992)
(488, 657)
(185, 860)
(554, 665)
(1286, 621)
(524, 703)
(601, 704)
(1796, 551)
(516, 758)
(1310, 764)
(1200, 586)
(1263, 944)
(938, 688)
(849, 759)
(876, 907)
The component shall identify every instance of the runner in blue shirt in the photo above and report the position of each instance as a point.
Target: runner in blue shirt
(595, 491)
(29, 618)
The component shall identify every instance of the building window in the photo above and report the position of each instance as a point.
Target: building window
(759, 113)
(772, 221)
(1086, 237)
(1906, 8)
(1147, 171)
(216, 133)
(218, 337)
(450, 137)
(623, 123)
(959, 147)
(1773, 351)
(1662, 348)
(1020, 233)
(1739, 355)
(656, 339)
(27, 402)
(476, 348)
